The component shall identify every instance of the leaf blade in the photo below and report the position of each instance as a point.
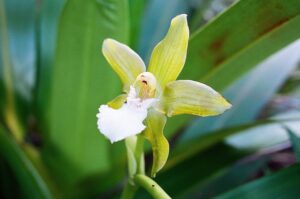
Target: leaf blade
(35, 186)
(250, 93)
(18, 54)
(219, 53)
(84, 80)
(295, 140)
(270, 187)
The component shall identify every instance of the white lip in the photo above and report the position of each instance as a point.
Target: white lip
(118, 124)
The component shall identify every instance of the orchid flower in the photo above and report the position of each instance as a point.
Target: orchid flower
(149, 96)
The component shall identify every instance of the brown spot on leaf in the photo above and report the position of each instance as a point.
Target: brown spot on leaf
(217, 45)
(217, 49)
(274, 26)
(219, 60)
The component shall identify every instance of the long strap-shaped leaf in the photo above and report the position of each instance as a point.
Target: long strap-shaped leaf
(197, 170)
(30, 180)
(237, 40)
(295, 141)
(81, 80)
(250, 93)
(199, 144)
(240, 38)
(284, 184)
(17, 59)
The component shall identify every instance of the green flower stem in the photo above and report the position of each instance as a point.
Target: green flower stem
(129, 191)
(139, 155)
(136, 164)
(136, 167)
(135, 156)
(151, 186)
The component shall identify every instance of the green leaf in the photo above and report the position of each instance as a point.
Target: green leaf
(136, 8)
(155, 124)
(18, 53)
(48, 25)
(197, 169)
(282, 184)
(250, 93)
(188, 149)
(81, 80)
(230, 178)
(31, 182)
(89, 187)
(8, 181)
(219, 54)
(204, 172)
(295, 140)
(198, 17)
(259, 137)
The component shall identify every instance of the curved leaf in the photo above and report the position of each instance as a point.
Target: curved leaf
(185, 150)
(197, 169)
(250, 93)
(81, 80)
(283, 184)
(136, 8)
(48, 25)
(230, 177)
(259, 138)
(30, 180)
(219, 53)
(295, 140)
(17, 56)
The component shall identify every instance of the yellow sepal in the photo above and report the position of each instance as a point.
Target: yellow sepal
(190, 97)
(155, 123)
(124, 61)
(168, 57)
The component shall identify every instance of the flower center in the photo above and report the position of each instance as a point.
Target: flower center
(145, 85)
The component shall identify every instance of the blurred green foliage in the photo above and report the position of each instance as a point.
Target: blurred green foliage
(53, 78)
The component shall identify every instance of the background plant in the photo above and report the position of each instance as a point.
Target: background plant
(53, 78)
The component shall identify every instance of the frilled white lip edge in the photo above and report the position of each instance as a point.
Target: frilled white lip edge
(118, 124)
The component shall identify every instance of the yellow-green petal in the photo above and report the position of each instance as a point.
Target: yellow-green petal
(117, 102)
(155, 124)
(124, 61)
(168, 57)
(190, 97)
